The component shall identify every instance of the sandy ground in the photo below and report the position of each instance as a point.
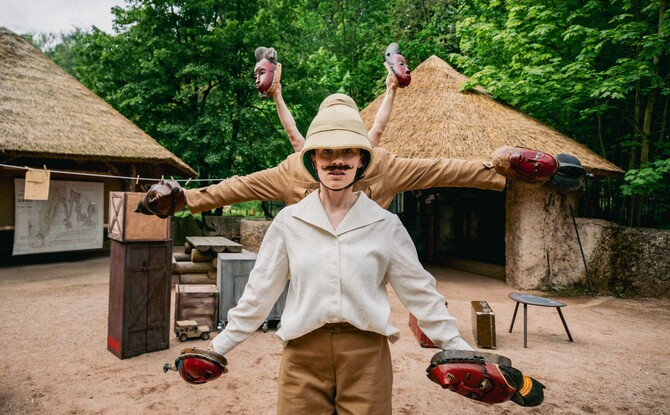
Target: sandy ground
(54, 359)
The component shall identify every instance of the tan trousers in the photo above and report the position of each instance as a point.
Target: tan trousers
(336, 369)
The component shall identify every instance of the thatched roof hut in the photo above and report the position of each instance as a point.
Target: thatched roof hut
(432, 118)
(47, 115)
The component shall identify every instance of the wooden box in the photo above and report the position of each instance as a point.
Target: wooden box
(139, 297)
(233, 271)
(126, 225)
(199, 302)
(483, 325)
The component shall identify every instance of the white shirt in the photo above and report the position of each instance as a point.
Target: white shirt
(338, 275)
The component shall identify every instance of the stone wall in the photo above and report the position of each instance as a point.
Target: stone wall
(627, 261)
(252, 232)
(543, 248)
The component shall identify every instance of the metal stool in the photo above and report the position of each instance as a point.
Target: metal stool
(527, 299)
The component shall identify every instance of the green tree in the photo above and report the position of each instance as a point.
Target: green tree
(593, 70)
(182, 71)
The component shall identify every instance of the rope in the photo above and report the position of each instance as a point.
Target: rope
(136, 179)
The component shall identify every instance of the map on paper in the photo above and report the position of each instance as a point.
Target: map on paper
(70, 220)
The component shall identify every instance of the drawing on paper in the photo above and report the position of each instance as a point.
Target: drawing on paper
(70, 220)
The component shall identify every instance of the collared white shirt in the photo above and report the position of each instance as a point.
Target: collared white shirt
(338, 275)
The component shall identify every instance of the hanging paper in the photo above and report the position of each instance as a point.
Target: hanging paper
(37, 185)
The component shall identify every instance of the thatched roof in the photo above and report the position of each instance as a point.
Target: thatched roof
(46, 113)
(432, 118)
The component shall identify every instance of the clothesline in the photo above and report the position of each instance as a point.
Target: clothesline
(137, 179)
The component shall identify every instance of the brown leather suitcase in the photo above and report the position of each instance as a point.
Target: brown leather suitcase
(421, 337)
(483, 325)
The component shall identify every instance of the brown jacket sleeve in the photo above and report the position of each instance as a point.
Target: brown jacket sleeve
(389, 174)
(264, 185)
(416, 174)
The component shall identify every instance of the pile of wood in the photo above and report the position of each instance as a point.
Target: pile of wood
(197, 265)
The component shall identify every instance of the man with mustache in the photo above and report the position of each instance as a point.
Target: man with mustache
(336, 325)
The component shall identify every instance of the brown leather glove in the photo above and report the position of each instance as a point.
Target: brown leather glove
(163, 199)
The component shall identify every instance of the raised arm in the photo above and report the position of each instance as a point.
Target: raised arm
(384, 112)
(287, 121)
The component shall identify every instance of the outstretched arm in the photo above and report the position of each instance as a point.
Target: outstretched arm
(287, 121)
(384, 112)
(264, 185)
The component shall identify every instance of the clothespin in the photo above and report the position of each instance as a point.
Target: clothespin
(137, 180)
(187, 181)
(45, 168)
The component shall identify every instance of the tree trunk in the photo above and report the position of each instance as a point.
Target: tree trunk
(646, 128)
(603, 152)
(633, 152)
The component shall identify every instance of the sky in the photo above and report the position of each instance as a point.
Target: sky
(56, 16)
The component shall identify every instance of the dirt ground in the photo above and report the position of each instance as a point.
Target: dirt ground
(55, 361)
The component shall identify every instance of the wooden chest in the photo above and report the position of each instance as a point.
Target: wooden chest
(483, 325)
(139, 297)
(125, 225)
(199, 302)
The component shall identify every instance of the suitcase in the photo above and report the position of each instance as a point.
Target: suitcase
(421, 337)
(483, 325)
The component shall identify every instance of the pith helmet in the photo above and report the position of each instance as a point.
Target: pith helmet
(337, 125)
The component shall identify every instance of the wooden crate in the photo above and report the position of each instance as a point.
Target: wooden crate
(139, 298)
(233, 271)
(199, 302)
(126, 225)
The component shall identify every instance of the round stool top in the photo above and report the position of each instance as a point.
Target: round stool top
(535, 300)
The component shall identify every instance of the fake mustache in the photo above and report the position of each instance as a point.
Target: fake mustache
(342, 167)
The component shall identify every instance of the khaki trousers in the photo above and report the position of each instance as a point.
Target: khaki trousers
(336, 369)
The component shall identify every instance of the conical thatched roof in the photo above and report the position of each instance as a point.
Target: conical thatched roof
(46, 113)
(432, 119)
